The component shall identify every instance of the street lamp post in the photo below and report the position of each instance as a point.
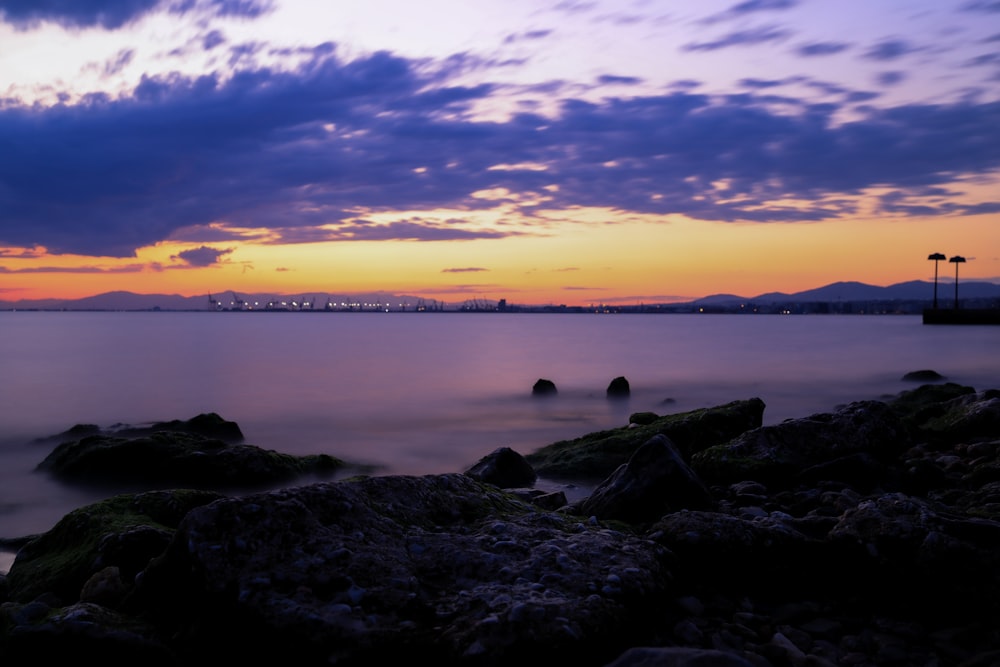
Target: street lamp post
(937, 257)
(957, 259)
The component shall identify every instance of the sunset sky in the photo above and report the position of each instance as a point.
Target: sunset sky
(565, 151)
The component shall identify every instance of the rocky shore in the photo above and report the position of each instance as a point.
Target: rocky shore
(864, 537)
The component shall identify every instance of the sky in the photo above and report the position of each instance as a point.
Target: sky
(540, 151)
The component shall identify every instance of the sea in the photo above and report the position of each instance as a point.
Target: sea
(426, 393)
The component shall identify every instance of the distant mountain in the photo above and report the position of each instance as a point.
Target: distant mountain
(914, 290)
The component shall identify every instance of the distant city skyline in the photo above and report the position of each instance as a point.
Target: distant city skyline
(561, 151)
(910, 296)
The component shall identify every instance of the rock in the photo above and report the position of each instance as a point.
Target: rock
(779, 453)
(677, 657)
(919, 406)
(123, 532)
(866, 536)
(105, 587)
(923, 376)
(619, 388)
(655, 481)
(969, 417)
(597, 455)
(894, 540)
(643, 418)
(504, 468)
(173, 457)
(762, 554)
(80, 633)
(543, 387)
(208, 425)
(439, 568)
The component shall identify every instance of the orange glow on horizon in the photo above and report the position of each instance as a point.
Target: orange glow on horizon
(576, 257)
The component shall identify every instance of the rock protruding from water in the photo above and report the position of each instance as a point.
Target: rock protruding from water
(203, 452)
(619, 388)
(925, 375)
(543, 387)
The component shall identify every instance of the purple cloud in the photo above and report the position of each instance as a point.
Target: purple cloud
(749, 37)
(821, 49)
(987, 6)
(890, 49)
(114, 14)
(203, 256)
(747, 7)
(309, 153)
(890, 78)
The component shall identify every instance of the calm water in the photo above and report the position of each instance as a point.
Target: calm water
(427, 393)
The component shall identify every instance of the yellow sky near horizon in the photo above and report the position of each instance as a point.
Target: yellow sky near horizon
(572, 263)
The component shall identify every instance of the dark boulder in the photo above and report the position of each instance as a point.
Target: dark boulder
(925, 375)
(505, 468)
(543, 387)
(177, 458)
(619, 388)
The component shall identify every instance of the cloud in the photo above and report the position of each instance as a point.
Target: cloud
(987, 6)
(107, 14)
(890, 78)
(890, 49)
(120, 62)
(115, 14)
(747, 37)
(747, 7)
(200, 257)
(129, 268)
(821, 49)
(330, 150)
(213, 39)
(609, 79)
(471, 269)
(528, 35)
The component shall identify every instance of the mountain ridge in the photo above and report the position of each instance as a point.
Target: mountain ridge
(913, 290)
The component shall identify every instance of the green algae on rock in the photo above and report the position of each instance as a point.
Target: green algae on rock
(596, 455)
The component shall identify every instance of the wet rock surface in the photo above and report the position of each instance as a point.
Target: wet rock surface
(862, 537)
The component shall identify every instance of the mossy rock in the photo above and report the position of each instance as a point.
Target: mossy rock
(917, 406)
(171, 458)
(124, 531)
(597, 455)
